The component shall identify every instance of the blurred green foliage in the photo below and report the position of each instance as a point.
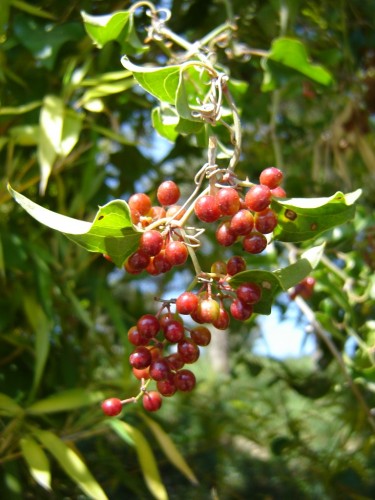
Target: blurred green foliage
(255, 427)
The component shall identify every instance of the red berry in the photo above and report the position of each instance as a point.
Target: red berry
(176, 253)
(242, 222)
(138, 261)
(188, 350)
(208, 310)
(224, 235)
(187, 303)
(159, 369)
(174, 331)
(112, 407)
(143, 373)
(249, 293)
(151, 243)
(278, 192)
(175, 212)
(265, 221)
(201, 335)
(175, 362)
(258, 198)
(207, 209)
(167, 387)
(152, 401)
(157, 213)
(140, 358)
(148, 326)
(254, 243)
(161, 263)
(136, 338)
(140, 202)
(235, 265)
(271, 177)
(223, 319)
(228, 201)
(164, 319)
(240, 311)
(168, 193)
(185, 380)
(151, 269)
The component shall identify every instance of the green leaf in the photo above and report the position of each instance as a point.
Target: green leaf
(112, 231)
(19, 110)
(30, 9)
(8, 406)
(164, 122)
(71, 130)
(25, 135)
(68, 400)
(301, 219)
(41, 326)
(106, 28)
(291, 54)
(159, 82)
(145, 456)
(106, 89)
(170, 450)
(280, 279)
(72, 464)
(4, 19)
(37, 461)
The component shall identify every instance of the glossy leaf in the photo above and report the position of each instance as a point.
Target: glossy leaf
(41, 326)
(170, 450)
(68, 400)
(292, 54)
(8, 406)
(164, 121)
(37, 461)
(159, 82)
(301, 219)
(106, 28)
(71, 463)
(146, 458)
(111, 232)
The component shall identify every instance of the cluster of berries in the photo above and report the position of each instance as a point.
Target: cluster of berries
(164, 344)
(248, 218)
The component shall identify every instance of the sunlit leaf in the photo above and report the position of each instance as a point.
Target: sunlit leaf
(170, 450)
(71, 463)
(106, 28)
(41, 326)
(301, 219)
(37, 461)
(164, 122)
(25, 135)
(290, 53)
(68, 400)
(8, 406)
(146, 458)
(111, 232)
(19, 110)
(71, 130)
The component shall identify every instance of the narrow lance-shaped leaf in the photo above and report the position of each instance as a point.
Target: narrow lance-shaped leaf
(111, 232)
(71, 463)
(8, 406)
(146, 458)
(301, 219)
(37, 461)
(68, 400)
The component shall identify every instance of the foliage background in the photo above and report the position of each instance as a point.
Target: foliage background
(254, 425)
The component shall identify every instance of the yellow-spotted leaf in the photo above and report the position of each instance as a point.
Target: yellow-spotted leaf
(68, 400)
(146, 458)
(170, 450)
(37, 461)
(72, 464)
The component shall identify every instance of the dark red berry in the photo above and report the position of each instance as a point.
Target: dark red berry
(161, 263)
(265, 221)
(228, 201)
(151, 243)
(188, 350)
(224, 235)
(254, 243)
(242, 222)
(168, 193)
(174, 331)
(112, 407)
(138, 261)
(159, 369)
(140, 202)
(185, 380)
(249, 293)
(235, 265)
(167, 387)
(258, 198)
(140, 358)
(207, 209)
(201, 335)
(240, 311)
(175, 362)
(223, 319)
(148, 325)
(176, 253)
(187, 303)
(152, 401)
(136, 338)
(271, 177)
